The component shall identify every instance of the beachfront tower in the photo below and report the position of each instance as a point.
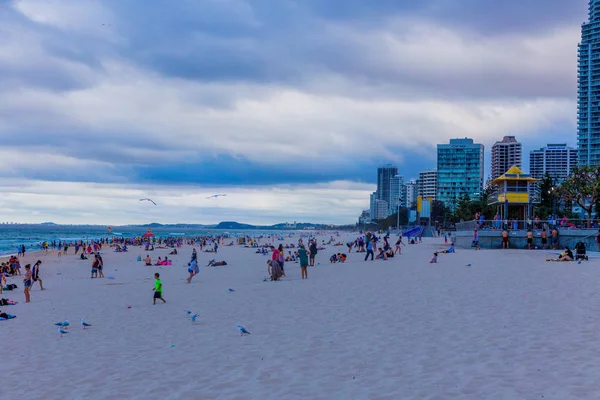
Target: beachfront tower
(459, 171)
(505, 154)
(588, 89)
(428, 184)
(513, 199)
(385, 176)
(555, 159)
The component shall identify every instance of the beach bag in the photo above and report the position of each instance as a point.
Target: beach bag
(473, 244)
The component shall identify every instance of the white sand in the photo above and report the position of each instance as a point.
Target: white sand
(510, 327)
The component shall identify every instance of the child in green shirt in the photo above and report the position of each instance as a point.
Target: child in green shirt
(158, 288)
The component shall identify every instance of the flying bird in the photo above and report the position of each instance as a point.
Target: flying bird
(242, 330)
(62, 331)
(214, 196)
(84, 324)
(150, 200)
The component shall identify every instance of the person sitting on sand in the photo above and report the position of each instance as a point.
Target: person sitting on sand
(381, 255)
(148, 260)
(174, 252)
(390, 253)
(333, 259)
(83, 256)
(159, 261)
(567, 255)
(341, 257)
(450, 250)
(434, 259)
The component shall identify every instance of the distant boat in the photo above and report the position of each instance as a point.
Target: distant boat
(117, 233)
(177, 234)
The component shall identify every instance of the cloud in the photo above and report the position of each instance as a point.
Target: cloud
(68, 202)
(262, 94)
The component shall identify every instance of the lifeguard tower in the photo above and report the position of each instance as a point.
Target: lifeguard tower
(515, 193)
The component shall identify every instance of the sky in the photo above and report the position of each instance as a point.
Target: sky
(286, 106)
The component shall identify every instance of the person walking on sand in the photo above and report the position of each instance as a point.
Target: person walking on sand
(303, 255)
(193, 269)
(100, 265)
(370, 245)
(158, 288)
(312, 252)
(95, 267)
(398, 246)
(35, 274)
(27, 282)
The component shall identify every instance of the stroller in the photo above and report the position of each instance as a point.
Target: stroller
(580, 251)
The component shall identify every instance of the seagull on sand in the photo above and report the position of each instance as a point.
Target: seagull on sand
(194, 318)
(63, 324)
(150, 200)
(62, 331)
(214, 196)
(230, 289)
(242, 330)
(84, 324)
(188, 312)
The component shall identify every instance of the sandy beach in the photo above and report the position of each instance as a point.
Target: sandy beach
(510, 326)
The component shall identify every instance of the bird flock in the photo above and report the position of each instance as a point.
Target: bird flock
(64, 325)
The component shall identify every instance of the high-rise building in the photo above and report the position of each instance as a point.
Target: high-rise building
(428, 184)
(505, 154)
(588, 89)
(460, 170)
(384, 182)
(373, 197)
(555, 159)
(380, 210)
(410, 194)
(397, 184)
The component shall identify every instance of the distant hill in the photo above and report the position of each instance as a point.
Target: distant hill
(233, 225)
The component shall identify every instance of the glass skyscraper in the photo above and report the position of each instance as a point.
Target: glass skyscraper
(588, 89)
(459, 171)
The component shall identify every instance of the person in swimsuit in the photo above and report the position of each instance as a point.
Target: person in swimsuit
(35, 274)
(529, 239)
(27, 281)
(505, 244)
(544, 236)
(100, 265)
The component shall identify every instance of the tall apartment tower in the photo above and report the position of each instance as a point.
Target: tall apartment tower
(410, 193)
(505, 154)
(428, 184)
(385, 177)
(396, 189)
(588, 89)
(556, 159)
(460, 170)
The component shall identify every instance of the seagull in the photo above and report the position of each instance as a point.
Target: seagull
(62, 331)
(242, 330)
(84, 324)
(231, 290)
(468, 265)
(62, 324)
(188, 312)
(150, 200)
(194, 318)
(214, 196)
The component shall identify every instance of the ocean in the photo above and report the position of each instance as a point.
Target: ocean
(32, 236)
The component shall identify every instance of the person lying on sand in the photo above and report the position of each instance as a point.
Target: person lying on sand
(567, 255)
(450, 250)
(213, 263)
